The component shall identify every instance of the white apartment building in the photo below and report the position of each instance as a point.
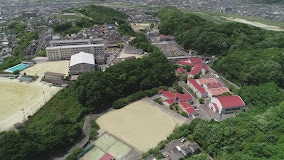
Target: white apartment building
(65, 52)
(55, 43)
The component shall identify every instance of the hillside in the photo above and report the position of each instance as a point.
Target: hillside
(242, 50)
(243, 57)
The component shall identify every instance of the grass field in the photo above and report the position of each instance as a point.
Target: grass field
(139, 124)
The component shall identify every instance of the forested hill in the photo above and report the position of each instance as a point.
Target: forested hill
(89, 16)
(247, 55)
(251, 57)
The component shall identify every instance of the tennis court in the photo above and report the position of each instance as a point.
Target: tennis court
(93, 154)
(107, 144)
(118, 150)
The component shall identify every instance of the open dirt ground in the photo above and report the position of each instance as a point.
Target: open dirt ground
(257, 24)
(51, 66)
(16, 96)
(139, 124)
(138, 26)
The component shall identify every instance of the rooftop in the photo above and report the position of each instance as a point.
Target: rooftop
(82, 57)
(230, 101)
(196, 85)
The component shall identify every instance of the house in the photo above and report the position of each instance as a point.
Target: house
(197, 69)
(194, 147)
(51, 76)
(81, 63)
(168, 95)
(132, 50)
(180, 71)
(197, 89)
(186, 107)
(227, 104)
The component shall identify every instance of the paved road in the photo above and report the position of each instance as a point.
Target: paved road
(86, 133)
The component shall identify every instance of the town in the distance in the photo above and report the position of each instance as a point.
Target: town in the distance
(131, 79)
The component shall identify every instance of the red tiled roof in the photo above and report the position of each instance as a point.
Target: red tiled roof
(196, 70)
(195, 60)
(107, 157)
(189, 109)
(196, 85)
(169, 94)
(214, 85)
(183, 62)
(170, 101)
(231, 101)
(185, 97)
(202, 81)
(180, 70)
(160, 91)
(218, 91)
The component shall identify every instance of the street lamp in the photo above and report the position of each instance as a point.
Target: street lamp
(23, 114)
(44, 96)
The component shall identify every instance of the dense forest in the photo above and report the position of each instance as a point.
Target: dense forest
(58, 124)
(253, 58)
(247, 55)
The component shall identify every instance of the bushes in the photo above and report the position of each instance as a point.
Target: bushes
(134, 97)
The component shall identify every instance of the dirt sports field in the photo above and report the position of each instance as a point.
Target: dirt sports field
(16, 95)
(52, 66)
(139, 124)
(138, 26)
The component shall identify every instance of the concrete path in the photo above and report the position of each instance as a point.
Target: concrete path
(86, 133)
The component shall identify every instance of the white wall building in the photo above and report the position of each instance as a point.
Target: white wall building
(65, 52)
(227, 104)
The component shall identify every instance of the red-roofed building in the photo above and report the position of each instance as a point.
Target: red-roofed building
(197, 69)
(227, 104)
(184, 62)
(186, 107)
(180, 71)
(213, 85)
(168, 95)
(107, 157)
(168, 102)
(197, 89)
(202, 81)
(194, 60)
(213, 92)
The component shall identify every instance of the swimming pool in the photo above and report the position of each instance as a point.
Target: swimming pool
(19, 67)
